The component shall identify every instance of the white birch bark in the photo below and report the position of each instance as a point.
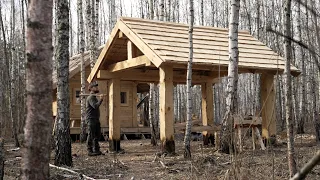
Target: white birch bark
(63, 139)
(187, 137)
(161, 10)
(83, 72)
(231, 106)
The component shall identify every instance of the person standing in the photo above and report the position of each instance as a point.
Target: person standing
(93, 120)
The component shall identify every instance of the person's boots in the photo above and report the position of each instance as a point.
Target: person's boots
(90, 152)
(97, 152)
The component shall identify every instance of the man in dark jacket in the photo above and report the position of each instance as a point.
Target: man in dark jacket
(93, 122)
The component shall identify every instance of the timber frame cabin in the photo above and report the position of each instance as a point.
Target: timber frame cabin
(129, 90)
(148, 51)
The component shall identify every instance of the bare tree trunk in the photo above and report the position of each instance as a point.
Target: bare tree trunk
(92, 35)
(112, 14)
(151, 6)
(12, 98)
(212, 12)
(96, 31)
(231, 100)
(288, 91)
(151, 115)
(161, 10)
(63, 139)
(83, 74)
(36, 149)
(301, 120)
(88, 26)
(201, 13)
(316, 120)
(1, 159)
(71, 32)
(187, 137)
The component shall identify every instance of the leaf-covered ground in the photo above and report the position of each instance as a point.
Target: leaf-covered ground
(140, 162)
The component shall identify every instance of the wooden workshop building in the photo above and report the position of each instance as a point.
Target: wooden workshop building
(147, 51)
(128, 93)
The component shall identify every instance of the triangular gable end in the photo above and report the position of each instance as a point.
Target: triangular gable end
(147, 55)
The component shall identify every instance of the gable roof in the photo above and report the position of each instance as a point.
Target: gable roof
(74, 66)
(167, 42)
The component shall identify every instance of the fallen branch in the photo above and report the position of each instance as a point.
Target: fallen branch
(15, 149)
(71, 171)
(307, 168)
(163, 165)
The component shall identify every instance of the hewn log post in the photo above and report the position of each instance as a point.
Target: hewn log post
(166, 109)
(207, 111)
(268, 106)
(114, 115)
(103, 87)
(134, 105)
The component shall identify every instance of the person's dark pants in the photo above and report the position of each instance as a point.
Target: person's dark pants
(93, 135)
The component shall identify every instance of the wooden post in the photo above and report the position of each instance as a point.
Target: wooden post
(268, 106)
(131, 50)
(1, 159)
(114, 115)
(103, 88)
(166, 109)
(253, 139)
(207, 111)
(134, 105)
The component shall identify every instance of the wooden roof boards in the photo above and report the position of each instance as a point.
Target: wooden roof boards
(167, 42)
(74, 66)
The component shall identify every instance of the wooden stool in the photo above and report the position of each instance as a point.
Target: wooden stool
(254, 123)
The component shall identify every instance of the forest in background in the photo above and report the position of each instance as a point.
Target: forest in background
(263, 19)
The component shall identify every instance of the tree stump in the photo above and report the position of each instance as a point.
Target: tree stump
(1, 159)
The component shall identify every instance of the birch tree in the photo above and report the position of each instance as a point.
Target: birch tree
(300, 129)
(161, 10)
(92, 34)
(83, 72)
(63, 139)
(12, 98)
(288, 91)
(231, 100)
(36, 152)
(152, 120)
(187, 137)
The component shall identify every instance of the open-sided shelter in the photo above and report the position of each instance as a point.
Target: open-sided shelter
(140, 50)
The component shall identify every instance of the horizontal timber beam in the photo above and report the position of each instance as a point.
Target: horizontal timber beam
(152, 76)
(129, 64)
